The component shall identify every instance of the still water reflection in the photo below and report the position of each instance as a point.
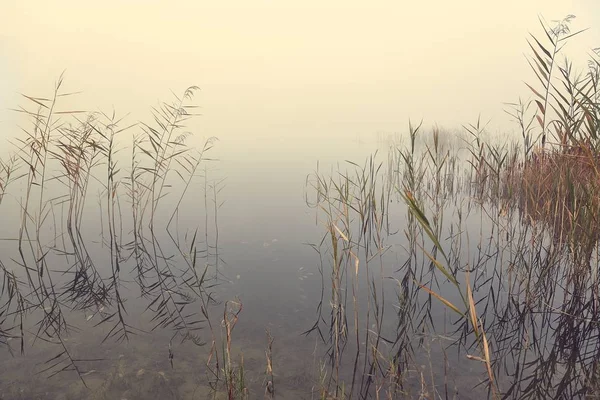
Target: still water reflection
(153, 273)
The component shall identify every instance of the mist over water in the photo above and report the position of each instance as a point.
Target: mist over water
(308, 110)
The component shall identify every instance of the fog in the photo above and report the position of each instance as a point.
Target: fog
(283, 71)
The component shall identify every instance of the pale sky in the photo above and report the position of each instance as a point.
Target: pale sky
(319, 70)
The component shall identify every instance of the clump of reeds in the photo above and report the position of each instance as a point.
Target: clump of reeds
(557, 180)
(224, 374)
(354, 204)
(561, 190)
(62, 159)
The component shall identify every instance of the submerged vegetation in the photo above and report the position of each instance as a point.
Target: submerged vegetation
(459, 267)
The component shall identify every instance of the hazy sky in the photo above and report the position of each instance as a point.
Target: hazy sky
(283, 69)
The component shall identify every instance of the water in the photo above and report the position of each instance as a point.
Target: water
(263, 225)
(159, 289)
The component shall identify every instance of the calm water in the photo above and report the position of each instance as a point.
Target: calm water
(105, 277)
(259, 247)
(263, 225)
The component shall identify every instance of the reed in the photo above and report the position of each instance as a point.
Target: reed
(62, 158)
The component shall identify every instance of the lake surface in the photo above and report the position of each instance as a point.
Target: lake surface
(250, 235)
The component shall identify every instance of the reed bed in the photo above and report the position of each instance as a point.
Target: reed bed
(502, 235)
